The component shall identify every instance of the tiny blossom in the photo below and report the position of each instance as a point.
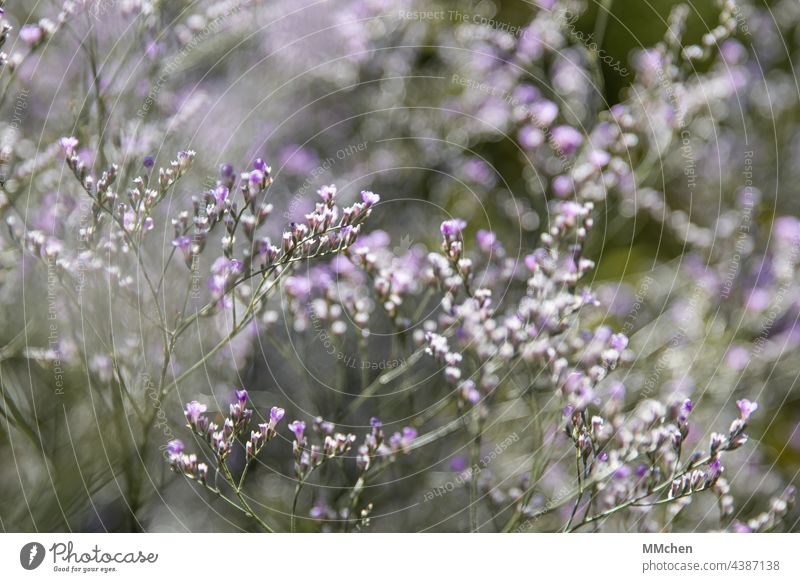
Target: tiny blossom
(544, 113)
(175, 447)
(453, 228)
(183, 243)
(715, 469)
(685, 409)
(746, 408)
(193, 411)
(31, 34)
(370, 198)
(619, 342)
(327, 193)
(566, 139)
(298, 427)
(68, 144)
(276, 415)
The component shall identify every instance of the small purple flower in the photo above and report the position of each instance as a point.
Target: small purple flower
(599, 158)
(235, 267)
(562, 186)
(183, 243)
(256, 177)
(175, 447)
(260, 165)
(531, 262)
(298, 427)
(31, 34)
(544, 113)
(369, 198)
(715, 442)
(149, 162)
(193, 411)
(746, 408)
(276, 415)
(327, 193)
(714, 470)
(458, 464)
(375, 422)
(619, 341)
(566, 139)
(452, 228)
(685, 409)
(622, 472)
(486, 239)
(226, 171)
(241, 396)
(530, 137)
(569, 209)
(409, 433)
(216, 285)
(68, 144)
(221, 194)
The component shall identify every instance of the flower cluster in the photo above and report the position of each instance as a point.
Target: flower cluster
(309, 457)
(221, 439)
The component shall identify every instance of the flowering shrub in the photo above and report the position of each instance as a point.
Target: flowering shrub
(568, 310)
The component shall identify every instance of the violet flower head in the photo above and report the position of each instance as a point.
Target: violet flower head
(148, 162)
(256, 177)
(544, 112)
(221, 194)
(31, 34)
(622, 472)
(276, 415)
(241, 396)
(183, 243)
(486, 239)
(530, 137)
(261, 166)
(175, 447)
(685, 409)
(619, 341)
(746, 408)
(369, 198)
(599, 158)
(68, 144)
(452, 228)
(714, 470)
(566, 139)
(298, 427)
(226, 171)
(327, 193)
(563, 186)
(193, 411)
